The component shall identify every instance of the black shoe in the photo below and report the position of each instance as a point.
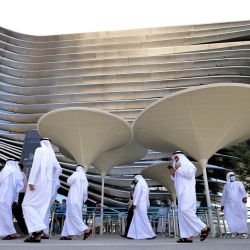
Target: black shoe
(32, 240)
(184, 240)
(204, 234)
(44, 237)
(86, 235)
(8, 237)
(151, 238)
(65, 238)
(123, 236)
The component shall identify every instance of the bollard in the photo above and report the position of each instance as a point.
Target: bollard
(169, 223)
(206, 216)
(123, 226)
(224, 224)
(93, 223)
(175, 223)
(218, 221)
(52, 222)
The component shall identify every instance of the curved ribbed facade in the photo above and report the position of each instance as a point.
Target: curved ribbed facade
(121, 72)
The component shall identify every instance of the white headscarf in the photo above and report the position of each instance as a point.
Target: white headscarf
(12, 167)
(183, 160)
(142, 182)
(48, 159)
(228, 178)
(80, 170)
(144, 187)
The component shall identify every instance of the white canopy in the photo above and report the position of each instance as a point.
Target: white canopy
(84, 133)
(128, 153)
(199, 120)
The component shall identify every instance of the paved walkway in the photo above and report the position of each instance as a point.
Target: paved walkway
(117, 243)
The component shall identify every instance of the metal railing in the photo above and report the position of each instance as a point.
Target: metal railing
(114, 219)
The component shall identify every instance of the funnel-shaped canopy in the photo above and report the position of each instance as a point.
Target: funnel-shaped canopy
(84, 133)
(160, 173)
(128, 153)
(199, 121)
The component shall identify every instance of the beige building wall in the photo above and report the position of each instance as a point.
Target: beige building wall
(121, 72)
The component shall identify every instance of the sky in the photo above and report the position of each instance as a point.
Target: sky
(48, 17)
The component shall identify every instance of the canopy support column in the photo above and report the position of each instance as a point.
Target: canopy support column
(203, 164)
(102, 204)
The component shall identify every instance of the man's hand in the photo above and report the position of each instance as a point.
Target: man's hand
(222, 208)
(32, 187)
(134, 206)
(244, 200)
(172, 171)
(177, 165)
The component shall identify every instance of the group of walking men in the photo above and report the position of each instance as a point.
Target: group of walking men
(40, 193)
(44, 182)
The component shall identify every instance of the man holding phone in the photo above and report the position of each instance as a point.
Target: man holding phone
(183, 174)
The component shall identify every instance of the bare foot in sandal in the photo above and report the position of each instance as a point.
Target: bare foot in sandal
(204, 233)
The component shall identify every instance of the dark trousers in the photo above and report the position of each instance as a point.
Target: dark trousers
(129, 219)
(18, 214)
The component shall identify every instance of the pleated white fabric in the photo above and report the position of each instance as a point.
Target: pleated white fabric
(140, 227)
(184, 182)
(45, 169)
(56, 185)
(78, 194)
(11, 183)
(235, 209)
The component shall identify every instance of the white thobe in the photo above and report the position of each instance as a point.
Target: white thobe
(140, 227)
(8, 195)
(78, 194)
(184, 182)
(11, 183)
(56, 185)
(235, 210)
(36, 203)
(162, 220)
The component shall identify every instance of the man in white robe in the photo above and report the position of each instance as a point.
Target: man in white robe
(78, 194)
(233, 200)
(11, 183)
(183, 173)
(140, 227)
(39, 192)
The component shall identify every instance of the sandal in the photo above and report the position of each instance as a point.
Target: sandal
(44, 237)
(37, 234)
(184, 240)
(154, 237)
(8, 237)
(65, 238)
(204, 234)
(86, 235)
(32, 240)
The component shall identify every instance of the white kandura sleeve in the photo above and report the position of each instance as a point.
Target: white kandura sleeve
(137, 194)
(35, 169)
(57, 169)
(85, 192)
(72, 179)
(186, 171)
(242, 190)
